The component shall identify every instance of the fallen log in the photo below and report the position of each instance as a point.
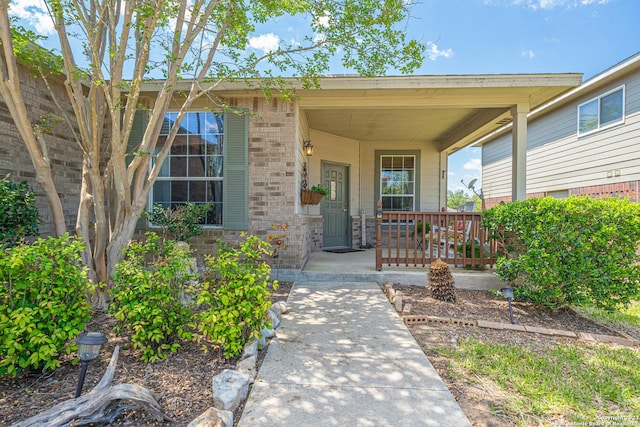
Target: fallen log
(102, 404)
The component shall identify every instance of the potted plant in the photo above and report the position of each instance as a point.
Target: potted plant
(314, 195)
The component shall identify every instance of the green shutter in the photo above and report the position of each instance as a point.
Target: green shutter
(235, 211)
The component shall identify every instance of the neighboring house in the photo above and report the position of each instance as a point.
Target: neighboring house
(585, 142)
(384, 138)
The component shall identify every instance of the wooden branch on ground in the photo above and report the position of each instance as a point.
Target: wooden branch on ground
(102, 404)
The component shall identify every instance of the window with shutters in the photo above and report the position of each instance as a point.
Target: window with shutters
(194, 170)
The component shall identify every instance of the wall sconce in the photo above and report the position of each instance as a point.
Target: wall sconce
(89, 345)
(308, 148)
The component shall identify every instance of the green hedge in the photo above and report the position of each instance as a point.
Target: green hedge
(43, 303)
(575, 251)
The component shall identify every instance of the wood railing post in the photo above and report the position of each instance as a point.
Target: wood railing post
(379, 236)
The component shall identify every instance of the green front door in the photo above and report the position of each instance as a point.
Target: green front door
(335, 206)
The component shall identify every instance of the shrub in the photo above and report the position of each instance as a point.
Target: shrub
(575, 251)
(235, 294)
(43, 303)
(19, 217)
(181, 222)
(148, 286)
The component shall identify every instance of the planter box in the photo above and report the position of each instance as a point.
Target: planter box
(308, 197)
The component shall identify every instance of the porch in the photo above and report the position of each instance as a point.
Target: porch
(360, 266)
(419, 238)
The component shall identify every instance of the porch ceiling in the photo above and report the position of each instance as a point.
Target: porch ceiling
(449, 111)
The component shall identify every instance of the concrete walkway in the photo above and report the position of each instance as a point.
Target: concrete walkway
(343, 357)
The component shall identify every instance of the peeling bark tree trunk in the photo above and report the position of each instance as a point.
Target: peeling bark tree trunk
(101, 405)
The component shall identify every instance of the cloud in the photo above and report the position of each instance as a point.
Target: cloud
(473, 164)
(265, 42)
(528, 54)
(547, 4)
(35, 13)
(433, 52)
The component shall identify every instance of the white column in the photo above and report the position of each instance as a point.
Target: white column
(444, 178)
(519, 152)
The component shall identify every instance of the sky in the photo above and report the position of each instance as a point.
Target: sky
(484, 37)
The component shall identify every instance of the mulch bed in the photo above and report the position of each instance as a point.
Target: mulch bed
(183, 381)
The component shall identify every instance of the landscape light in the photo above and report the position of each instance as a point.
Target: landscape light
(507, 292)
(89, 345)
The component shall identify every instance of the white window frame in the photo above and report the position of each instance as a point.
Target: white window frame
(169, 178)
(598, 100)
(413, 183)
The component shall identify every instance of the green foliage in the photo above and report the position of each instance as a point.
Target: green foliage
(43, 303)
(19, 217)
(318, 188)
(460, 197)
(576, 251)
(182, 222)
(148, 286)
(235, 294)
(420, 226)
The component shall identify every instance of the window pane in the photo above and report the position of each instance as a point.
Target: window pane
(197, 165)
(179, 145)
(162, 193)
(214, 144)
(179, 191)
(178, 165)
(611, 108)
(588, 116)
(196, 145)
(198, 191)
(386, 162)
(214, 166)
(214, 192)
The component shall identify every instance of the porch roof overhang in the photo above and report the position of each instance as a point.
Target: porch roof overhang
(449, 111)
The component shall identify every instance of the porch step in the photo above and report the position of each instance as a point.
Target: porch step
(474, 280)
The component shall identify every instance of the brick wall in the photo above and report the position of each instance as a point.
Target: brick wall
(66, 161)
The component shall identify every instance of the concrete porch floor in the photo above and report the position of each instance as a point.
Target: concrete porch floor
(360, 267)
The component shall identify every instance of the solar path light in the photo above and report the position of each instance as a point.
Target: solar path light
(89, 345)
(507, 292)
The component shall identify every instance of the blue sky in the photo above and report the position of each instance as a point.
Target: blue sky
(486, 36)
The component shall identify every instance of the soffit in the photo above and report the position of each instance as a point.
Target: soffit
(450, 116)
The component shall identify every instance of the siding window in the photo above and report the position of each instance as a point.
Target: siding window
(194, 169)
(397, 182)
(605, 110)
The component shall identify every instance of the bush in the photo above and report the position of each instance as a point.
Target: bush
(148, 286)
(181, 222)
(19, 217)
(43, 303)
(576, 251)
(235, 295)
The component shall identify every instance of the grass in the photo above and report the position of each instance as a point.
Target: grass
(628, 317)
(564, 382)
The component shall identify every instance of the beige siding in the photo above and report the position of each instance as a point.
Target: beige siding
(557, 159)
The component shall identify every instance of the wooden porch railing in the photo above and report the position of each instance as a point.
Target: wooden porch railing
(455, 237)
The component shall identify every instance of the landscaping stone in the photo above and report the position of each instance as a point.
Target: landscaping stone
(249, 367)
(274, 320)
(230, 388)
(250, 349)
(262, 343)
(213, 417)
(398, 301)
(282, 306)
(267, 333)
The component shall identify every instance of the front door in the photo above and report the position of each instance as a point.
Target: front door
(335, 206)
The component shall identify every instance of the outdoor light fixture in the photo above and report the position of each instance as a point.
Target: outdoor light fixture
(308, 148)
(89, 345)
(507, 292)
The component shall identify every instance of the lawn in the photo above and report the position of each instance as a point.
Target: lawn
(569, 382)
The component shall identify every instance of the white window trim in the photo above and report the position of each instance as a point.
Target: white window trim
(414, 176)
(598, 98)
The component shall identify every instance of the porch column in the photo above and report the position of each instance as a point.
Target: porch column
(519, 152)
(444, 179)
